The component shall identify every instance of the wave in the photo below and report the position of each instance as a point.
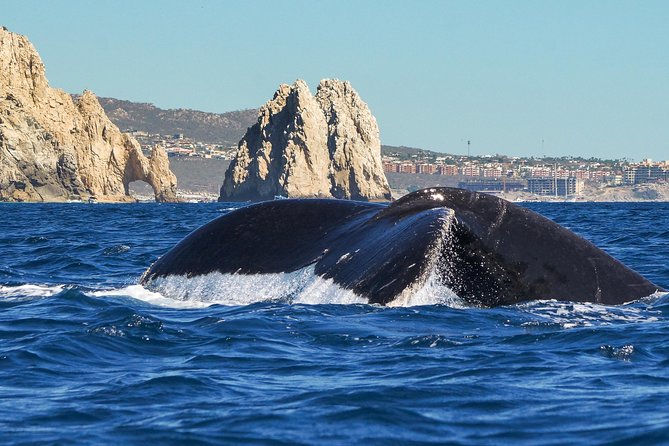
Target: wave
(586, 314)
(305, 287)
(29, 290)
(140, 293)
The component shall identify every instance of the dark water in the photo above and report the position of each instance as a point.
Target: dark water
(87, 357)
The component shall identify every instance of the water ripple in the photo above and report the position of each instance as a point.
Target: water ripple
(89, 357)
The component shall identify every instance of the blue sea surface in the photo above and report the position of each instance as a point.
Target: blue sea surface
(89, 357)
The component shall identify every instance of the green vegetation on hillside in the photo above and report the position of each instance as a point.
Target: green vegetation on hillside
(212, 128)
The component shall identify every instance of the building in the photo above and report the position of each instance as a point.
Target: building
(447, 169)
(645, 173)
(425, 168)
(492, 172)
(598, 175)
(580, 174)
(541, 172)
(389, 167)
(470, 171)
(547, 186)
(407, 168)
(615, 180)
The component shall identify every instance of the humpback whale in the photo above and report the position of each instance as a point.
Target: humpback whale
(486, 250)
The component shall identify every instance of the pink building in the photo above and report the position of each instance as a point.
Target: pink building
(425, 168)
(447, 169)
(471, 171)
(494, 172)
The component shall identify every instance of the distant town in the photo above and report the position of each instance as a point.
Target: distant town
(180, 145)
(547, 176)
(564, 176)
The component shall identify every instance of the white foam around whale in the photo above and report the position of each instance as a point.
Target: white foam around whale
(299, 287)
(302, 286)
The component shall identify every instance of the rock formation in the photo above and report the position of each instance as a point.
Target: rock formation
(302, 145)
(53, 148)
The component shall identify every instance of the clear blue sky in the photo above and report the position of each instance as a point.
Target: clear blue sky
(589, 78)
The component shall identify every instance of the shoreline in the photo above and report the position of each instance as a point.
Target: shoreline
(642, 193)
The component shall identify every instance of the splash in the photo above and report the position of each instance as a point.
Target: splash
(432, 292)
(299, 287)
(302, 286)
(432, 289)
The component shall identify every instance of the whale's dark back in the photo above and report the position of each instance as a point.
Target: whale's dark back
(502, 253)
(487, 250)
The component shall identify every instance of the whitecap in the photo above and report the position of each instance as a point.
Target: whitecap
(29, 290)
(588, 314)
(138, 292)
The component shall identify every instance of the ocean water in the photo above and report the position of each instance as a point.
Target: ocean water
(89, 357)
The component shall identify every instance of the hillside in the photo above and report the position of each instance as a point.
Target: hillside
(214, 128)
(403, 152)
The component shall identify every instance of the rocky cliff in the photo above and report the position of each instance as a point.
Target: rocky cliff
(53, 148)
(303, 145)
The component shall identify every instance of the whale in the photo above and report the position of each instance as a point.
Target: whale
(486, 250)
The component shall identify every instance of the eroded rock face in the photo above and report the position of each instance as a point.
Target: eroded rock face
(53, 148)
(285, 152)
(309, 146)
(354, 144)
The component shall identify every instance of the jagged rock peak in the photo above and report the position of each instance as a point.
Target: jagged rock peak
(53, 148)
(21, 67)
(284, 153)
(303, 145)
